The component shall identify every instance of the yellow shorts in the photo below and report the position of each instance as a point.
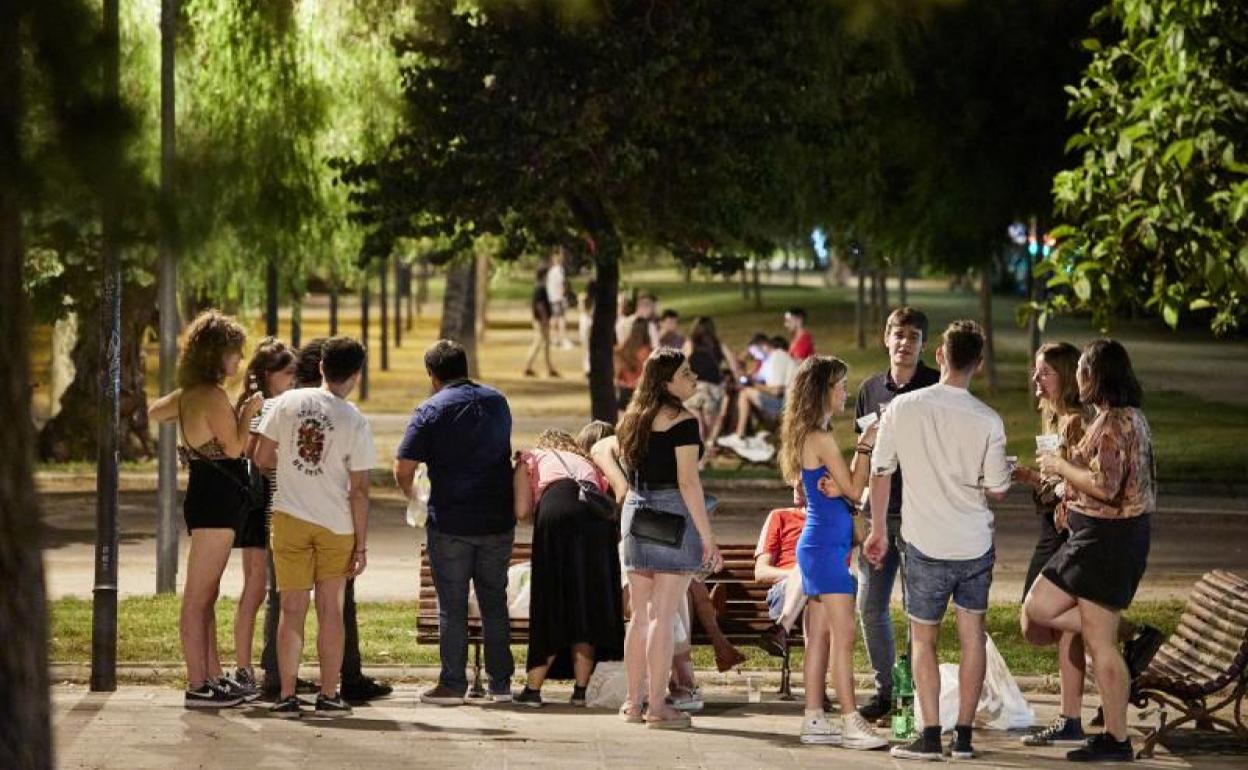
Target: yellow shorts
(305, 554)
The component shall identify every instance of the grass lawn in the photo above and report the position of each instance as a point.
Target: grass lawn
(148, 633)
(1194, 397)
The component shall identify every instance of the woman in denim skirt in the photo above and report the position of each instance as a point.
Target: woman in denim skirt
(660, 445)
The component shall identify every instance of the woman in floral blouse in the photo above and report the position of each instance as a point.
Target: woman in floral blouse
(1110, 491)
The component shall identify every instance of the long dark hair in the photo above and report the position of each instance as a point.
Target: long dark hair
(1109, 379)
(702, 334)
(208, 339)
(650, 397)
(271, 356)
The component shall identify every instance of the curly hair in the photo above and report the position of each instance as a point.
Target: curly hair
(651, 396)
(560, 440)
(271, 355)
(208, 339)
(806, 409)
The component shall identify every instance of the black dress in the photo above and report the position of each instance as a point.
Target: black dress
(575, 593)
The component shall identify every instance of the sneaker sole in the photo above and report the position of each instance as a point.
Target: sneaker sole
(903, 754)
(287, 714)
(213, 705)
(821, 740)
(865, 744)
(1064, 742)
(444, 701)
(528, 704)
(334, 714)
(961, 755)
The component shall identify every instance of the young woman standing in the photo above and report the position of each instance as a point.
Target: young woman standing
(808, 454)
(214, 435)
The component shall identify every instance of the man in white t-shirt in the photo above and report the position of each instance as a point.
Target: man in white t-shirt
(556, 292)
(765, 395)
(321, 448)
(952, 446)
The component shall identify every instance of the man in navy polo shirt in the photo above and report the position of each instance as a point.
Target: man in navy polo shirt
(463, 435)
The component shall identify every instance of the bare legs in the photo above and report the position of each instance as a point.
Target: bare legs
(210, 550)
(648, 643)
(329, 634)
(971, 667)
(255, 584)
(582, 667)
(831, 631)
(541, 344)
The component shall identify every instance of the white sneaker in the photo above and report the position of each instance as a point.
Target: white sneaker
(817, 730)
(731, 441)
(757, 454)
(758, 439)
(860, 735)
(687, 700)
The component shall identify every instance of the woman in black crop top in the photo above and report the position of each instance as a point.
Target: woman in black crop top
(708, 358)
(660, 447)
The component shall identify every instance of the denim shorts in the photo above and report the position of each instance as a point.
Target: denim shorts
(771, 405)
(931, 582)
(775, 600)
(648, 556)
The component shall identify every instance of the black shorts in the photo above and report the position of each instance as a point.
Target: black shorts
(1103, 561)
(212, 499)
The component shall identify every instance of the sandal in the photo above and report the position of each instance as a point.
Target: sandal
(626, 713)
(679, 722)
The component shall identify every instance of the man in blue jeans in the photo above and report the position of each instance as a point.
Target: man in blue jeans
(463, 435)
(905, 337)
(952, 446)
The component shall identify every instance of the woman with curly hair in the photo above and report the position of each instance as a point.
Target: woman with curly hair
(575, 610)
(270, 373)
(808, 454)
(214, 435)
(660, 446)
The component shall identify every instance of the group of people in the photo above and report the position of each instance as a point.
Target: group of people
(1094, 490)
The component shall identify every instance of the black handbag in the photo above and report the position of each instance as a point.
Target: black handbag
(658, 527)
(249, 494)
(595, 501)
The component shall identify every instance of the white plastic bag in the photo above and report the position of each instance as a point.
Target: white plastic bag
(518, 583)
(608, 686)
(418, 506)
(1001, 702)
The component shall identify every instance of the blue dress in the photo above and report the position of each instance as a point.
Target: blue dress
(826, 542)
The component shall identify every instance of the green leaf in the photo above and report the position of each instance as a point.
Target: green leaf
(1090, 44)
(1170, 314)
(1181, 151)
(1199, 304)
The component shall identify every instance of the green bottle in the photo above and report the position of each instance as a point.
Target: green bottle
(903, 693)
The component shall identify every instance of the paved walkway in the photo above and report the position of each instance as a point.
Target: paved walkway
(146, 727)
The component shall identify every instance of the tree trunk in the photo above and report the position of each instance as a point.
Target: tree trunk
(167, 518)
(873, 279)
(398, 304)
(985, 311)
(296, 321)
(459, 307)
(745, 282)
(482, 278)
(383, 296)
(407, 295)
(333, 307)
(860, 311)
(758, 287)
(270, 299)
(25, 712)
(422, 285)
(884, 310)
(364, 296)
(608, 250)
(902, 298)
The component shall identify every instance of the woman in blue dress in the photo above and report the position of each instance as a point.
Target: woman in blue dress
(809, 456)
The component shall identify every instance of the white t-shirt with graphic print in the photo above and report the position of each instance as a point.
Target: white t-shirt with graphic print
(320, 439)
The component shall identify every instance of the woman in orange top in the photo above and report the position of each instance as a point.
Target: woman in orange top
(630, 357)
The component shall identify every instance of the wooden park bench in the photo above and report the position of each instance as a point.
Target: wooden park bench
(743, 620)
(1202, 669)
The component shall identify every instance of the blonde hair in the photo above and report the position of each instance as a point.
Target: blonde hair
(558, 440)
(805, 407)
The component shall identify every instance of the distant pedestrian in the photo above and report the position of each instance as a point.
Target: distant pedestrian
(321, 449)
(557, 293)
(669, 330)
(542, 312)
(462, 434)
(630, 358)
(802, 344)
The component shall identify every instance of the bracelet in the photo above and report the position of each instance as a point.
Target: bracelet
(864, 449)
(361, 550)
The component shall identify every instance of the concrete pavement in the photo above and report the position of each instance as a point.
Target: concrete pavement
(146, 727)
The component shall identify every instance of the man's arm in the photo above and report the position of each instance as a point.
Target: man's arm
(996, 467)
(764, 572)
(404, 475)
(358, 496)
(266, 453)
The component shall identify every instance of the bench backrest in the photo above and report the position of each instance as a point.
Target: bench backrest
(1209, 648)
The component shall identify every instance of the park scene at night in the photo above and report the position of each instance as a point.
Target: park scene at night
(623, 383)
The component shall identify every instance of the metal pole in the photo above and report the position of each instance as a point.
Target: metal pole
(104, 604)
(167, 487)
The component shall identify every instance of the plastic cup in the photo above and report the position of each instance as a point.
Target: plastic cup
(753, 689)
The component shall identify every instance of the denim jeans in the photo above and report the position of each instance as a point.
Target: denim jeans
(482, 559)
(875, 591)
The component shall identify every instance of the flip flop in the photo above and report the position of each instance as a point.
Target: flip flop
(627, 715)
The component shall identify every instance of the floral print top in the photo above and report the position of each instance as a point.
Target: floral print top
(1070, 427)
(1117, 448)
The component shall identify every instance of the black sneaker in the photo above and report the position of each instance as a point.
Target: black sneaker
(331, 706)
(578, 696)
(210, 696)
(528, 697)
(877, 708)
(288, 708)
(923, 748)
(1140, 649)
(960, 747)
(364, 689)
(1062, 731)
(248, 692)
(1103, 748)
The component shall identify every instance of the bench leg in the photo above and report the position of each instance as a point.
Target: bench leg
(786, 690)
(476, 690)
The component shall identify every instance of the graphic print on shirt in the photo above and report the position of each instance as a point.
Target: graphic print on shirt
(310, 434)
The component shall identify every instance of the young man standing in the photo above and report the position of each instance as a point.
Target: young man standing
(952, 446)
(463, 435)
(322, 450)
(802, 345)
(905, 337)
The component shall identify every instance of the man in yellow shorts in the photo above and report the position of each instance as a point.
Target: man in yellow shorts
(322, 450)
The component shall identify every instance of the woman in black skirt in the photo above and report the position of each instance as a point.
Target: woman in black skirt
(1109, 494)
(575, 611)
